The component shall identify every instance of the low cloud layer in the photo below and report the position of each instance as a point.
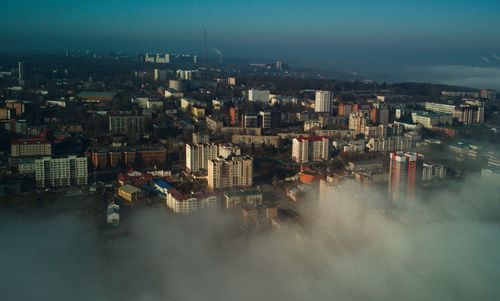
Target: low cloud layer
(444, 248)
(459, 75)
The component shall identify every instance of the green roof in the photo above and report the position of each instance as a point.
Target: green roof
(242, 192)
(97, 94)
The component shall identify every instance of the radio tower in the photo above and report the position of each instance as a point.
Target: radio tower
(205, 47)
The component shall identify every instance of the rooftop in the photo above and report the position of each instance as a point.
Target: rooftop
(113, 208)
(30, 141)
(311, 138)
(129, 189)
(97, 95)
(242, 192)
(128, 149)
(163, 184)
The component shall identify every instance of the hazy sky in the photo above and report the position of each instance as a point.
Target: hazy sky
(359, 34)
(429, 24)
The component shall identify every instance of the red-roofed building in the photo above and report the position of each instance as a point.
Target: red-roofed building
(180, 202)
(183, 203)
(134, 178)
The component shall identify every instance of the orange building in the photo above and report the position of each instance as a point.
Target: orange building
(154, 156)
(116, 157)
(99, 160)
(15, 105)
(345, 109)
(404, 172)
(128, 157)
(233, 114)
(308, 177)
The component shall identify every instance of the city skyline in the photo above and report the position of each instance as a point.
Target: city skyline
(249, 150)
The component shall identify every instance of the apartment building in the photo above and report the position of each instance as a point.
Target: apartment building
(60, 172)
(236, 171)
(310, 149)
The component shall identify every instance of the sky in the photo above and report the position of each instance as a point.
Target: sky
(355, 35)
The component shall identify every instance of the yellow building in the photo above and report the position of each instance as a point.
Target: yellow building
(198, 111)
(128, 192)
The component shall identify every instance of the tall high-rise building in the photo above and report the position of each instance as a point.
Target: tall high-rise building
(404, 174)
(233, 115)
(323, 101)
(379, 116)
(160, 74)
(265, 119)
(432, 172)
(198, 155)
(21, 70)
(345, 109)
(236, 171)
(21, 73)
(310, 149)
(280, 65)
(300, 149)
(357, 122)
(60, 172)
(185, 74)
(200, 137)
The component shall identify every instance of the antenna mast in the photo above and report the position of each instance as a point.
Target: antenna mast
(205, 47)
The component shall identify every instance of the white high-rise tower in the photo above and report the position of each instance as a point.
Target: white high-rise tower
(323, 101)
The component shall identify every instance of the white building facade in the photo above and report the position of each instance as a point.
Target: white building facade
(236, 171)
(323, 101)
(60, 172)
(310, 149)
